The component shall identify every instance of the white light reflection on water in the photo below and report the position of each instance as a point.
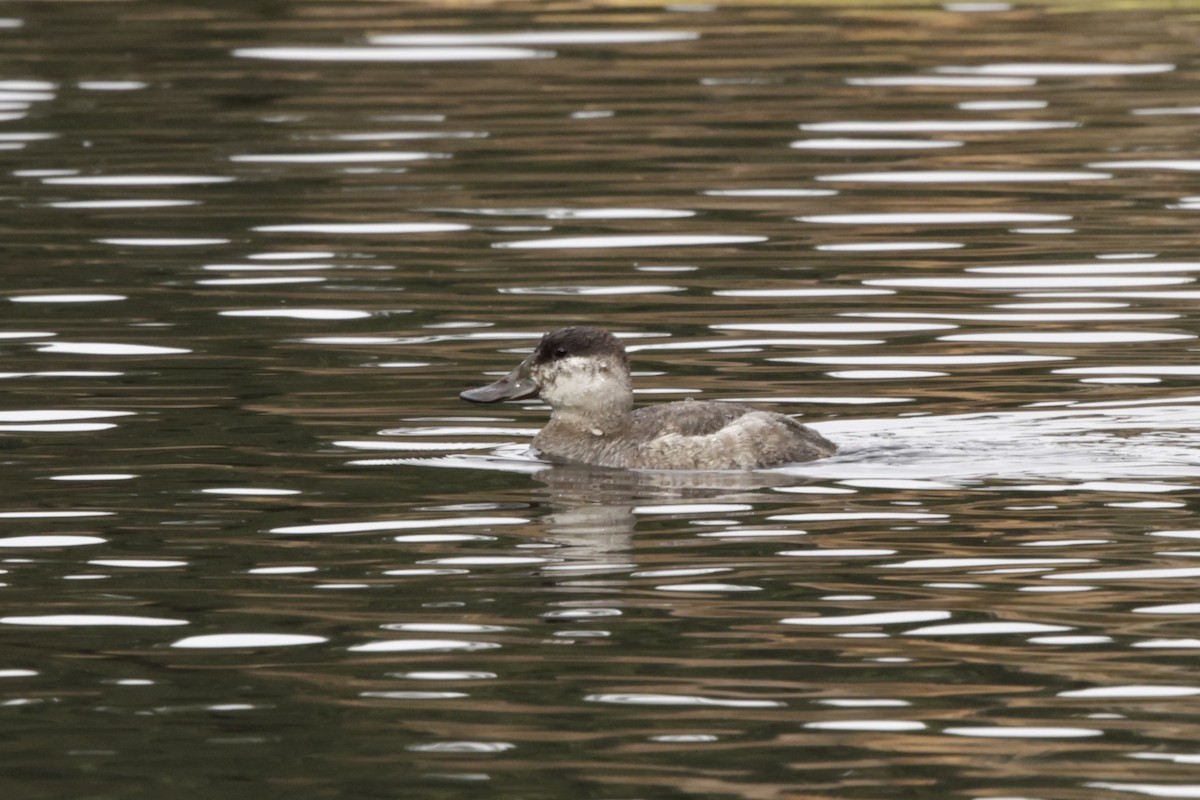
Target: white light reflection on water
(886, 374)
(396, 525)
(422, 646)
(50, 541)
(1059, 69)
(1000, 105)
(551, 37)
(706, 587)
(415, 446)
(1069, 337)
(135, 180)
(49, 415)
(1091, 281)
(1177, 164)
(886, 247)
(810, 291)
(711, 344)
(1154, 112)
(1130, 574)
(1111, 316)
(876, 725)
(843, 552)
(52, 514)
(391, 54)
(1023, 732)
(108, 349)
(570, 291)
(290, 255)
(832, 327)
(298, 313)
(562, 213)
(1121, 369)
(1133, 691)
(619, 240)
(91, 620)
(221, 641)
(653, 699)
(67, 298)
(872, 144)
(873, 618)
(954, 81)
(273, 266)
(112, 86)
(361, 228)
(1067, 446)
(362, 157)
(163, 242)
(258, 281)
(937, 126)
(491, 561)
(399, 136)
(933, 218)
(770, 192)
(96, 476)
(123, 204)
(965, 176)
(1093, 268)
(986, 629)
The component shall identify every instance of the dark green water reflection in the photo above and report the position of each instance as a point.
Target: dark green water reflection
(253, 545)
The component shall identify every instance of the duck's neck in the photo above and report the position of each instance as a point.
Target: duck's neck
(603, 406)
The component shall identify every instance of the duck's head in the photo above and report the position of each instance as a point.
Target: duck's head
(577, 368)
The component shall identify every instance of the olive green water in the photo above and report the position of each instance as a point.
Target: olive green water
(254, 546)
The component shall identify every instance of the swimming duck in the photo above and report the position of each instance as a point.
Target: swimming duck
(583, 374)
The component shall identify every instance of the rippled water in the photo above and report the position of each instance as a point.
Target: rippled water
(252, 542)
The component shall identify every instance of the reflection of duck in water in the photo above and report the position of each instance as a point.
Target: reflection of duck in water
(583, 373)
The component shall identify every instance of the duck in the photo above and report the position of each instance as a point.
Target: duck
(582, 373)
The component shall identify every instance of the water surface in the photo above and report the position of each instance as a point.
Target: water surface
(251, 541)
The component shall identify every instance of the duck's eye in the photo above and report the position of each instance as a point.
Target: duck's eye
(560, 352)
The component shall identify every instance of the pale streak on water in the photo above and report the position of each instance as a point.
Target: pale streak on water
(252, 543)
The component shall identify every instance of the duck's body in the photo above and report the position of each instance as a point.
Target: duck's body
(583, 373)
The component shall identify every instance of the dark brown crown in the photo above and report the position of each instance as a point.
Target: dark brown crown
(579, 341)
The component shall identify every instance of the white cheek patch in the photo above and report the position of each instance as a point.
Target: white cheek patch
(575, 381)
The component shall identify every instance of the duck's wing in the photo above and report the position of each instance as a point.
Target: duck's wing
(712, 435)
(686, 418)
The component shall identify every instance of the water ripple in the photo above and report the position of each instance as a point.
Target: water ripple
(874, 618)
(108, 349)
(933, 218)
(391, 54)
(1069, 337)
(652, 699)
(614, 241)
(396, 524)
(937, 126)
(91, 620)
(1059, 69)
(563, 37)
(1023, 732)
(872, 144)
(966, 176)
(954, 81)
(221, 641)
(1024, 283)
(136, 180)
(360, 228)
(363, 157)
